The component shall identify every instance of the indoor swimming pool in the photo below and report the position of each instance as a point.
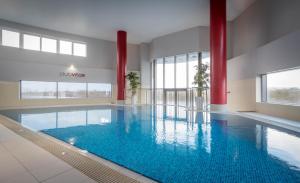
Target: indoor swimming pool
(170, 144)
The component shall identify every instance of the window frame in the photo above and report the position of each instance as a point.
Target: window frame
(57, 91)
(31, 34)
(85, 96)
(73, 49)
(264, 88)
(65, 40)
(22, 98)
(51, 38)
(11, 30)
(88, 95)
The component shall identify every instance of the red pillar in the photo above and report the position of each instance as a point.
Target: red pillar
(218, 89)
(121, 63)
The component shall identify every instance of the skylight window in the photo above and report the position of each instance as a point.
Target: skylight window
(32, 42)
(49, 45)
(79, 49)
(65, 47)
(10, 38)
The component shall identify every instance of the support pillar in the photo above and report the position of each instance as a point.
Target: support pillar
(121, 65)
(218, 84)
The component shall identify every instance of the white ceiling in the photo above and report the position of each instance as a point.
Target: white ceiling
(142, 19)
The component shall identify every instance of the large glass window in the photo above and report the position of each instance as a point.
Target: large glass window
(31, 42)
(79, 49)
(71, 90)
(283, 87)
(38, 90)
(49, 45)
(192, 68)
(10, 38)
(99, 90)
(169, 72)
(159, 75)
(181, 71)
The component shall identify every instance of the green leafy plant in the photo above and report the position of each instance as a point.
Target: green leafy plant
(201, 78)
(133, 82)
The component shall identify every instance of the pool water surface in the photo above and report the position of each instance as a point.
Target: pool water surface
(170, 144)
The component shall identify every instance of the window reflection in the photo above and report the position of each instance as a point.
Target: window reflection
(99, 116)
(283, 146)
(54, 120)
(37, 122)
(70, 119)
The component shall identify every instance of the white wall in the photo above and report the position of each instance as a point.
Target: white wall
(145, 65)
(18, 64)
(265, 38)
(264, 21)
(190, 40)
(99, 65)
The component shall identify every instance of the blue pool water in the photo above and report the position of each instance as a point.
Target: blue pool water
(169, 144)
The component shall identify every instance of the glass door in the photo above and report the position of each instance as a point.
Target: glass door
(170, 97)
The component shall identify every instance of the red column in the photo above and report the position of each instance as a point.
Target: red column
(218, 89)
(121, 63)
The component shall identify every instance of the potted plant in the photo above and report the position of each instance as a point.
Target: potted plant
(201, 80)
(134, 83)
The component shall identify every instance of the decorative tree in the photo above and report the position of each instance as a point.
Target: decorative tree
(133, 82)
(201, 79)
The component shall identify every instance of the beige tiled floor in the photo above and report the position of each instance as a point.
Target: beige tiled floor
(21, 161)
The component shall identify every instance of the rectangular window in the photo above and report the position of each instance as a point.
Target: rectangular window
(38, 90)
(99, 90)
(181, 71)
(79, 49)
(169, 72)
(192, 66)
(282, 87)
(71, 90)
(10, 38)
(31, 42)
(49, 45)
(159, 76)
(65, 47)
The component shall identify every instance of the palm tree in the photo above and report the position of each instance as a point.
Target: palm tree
(133, 82)
(201, 79)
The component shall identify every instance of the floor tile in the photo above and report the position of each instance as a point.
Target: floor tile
(9, 169)
(50, 170)
(72, 176)
(22, 178)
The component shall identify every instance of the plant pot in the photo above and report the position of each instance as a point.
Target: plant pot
(133, 100)
(199, 103)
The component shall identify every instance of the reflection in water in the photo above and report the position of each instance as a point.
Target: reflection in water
(171, 144)
(35, 122)
(283, 146)
(66, 119)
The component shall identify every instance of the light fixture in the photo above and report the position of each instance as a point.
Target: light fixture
(72, 67)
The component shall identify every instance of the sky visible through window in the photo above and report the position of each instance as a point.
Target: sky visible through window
(285, 79)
